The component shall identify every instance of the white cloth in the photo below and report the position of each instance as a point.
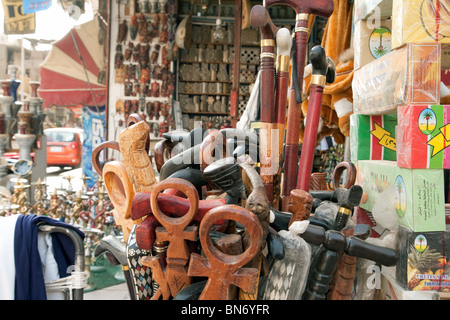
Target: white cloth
(251, 109)
(49, 264)
(8, 269)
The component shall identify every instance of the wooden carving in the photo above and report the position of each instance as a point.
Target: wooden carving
(224, 270)
(300, 205)
(121, 194)
(175, 231)
(132, 143)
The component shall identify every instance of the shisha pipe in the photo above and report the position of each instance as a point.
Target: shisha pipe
(260, 18)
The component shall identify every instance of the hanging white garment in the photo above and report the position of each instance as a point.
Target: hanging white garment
(49, 264)
(8, 269)
(251, 109)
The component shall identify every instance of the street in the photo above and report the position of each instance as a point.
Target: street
(57, 179)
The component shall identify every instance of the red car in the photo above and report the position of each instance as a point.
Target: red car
(64, 147)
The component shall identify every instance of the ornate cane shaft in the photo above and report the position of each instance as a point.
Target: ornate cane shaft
(260, 19)
(323, 70)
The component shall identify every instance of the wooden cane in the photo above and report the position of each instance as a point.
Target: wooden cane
(341, 285)
(304, 9)
(323, 71)
(269, 163)
(284, 45)
(224, 270)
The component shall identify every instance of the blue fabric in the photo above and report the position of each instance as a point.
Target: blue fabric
(29, 275)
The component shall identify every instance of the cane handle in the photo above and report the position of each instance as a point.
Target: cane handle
(192, 195)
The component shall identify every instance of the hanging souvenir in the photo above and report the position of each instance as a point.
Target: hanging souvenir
(156, 108)
(142, 28)
(118, 59)
(120, 74)
(123, 31)
(145, 76)
(128, 88)
(136, 49)
(155, 54)
(154, 90)
(133, 27)
(128, 51)
(144, 50)
(120, 107)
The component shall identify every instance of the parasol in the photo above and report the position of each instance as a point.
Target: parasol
(67, 79)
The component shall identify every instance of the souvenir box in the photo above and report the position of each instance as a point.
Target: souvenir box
(423, 137)
(373, 137)
(390, 289)
(407, 75)
(417, 194)
(422, 260)
(419, 21)
(371, 40)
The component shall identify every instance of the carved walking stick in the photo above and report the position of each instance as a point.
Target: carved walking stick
(323, 71)
(332, 243)
(175, 231)
(225, 173)
(260, 19)
(343, 280)
(284, 45)
(303, 9)
(326, 260)
(224, 270)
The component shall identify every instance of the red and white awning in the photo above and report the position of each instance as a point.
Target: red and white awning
(64, 80)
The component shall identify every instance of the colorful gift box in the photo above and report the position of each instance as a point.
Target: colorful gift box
(423, 137)
(408, 75)
(371, 41)
(419, 21)
(418, 194)
(422, 260)
(373, 137)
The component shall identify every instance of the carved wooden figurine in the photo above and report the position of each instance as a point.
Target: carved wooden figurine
(132, 142)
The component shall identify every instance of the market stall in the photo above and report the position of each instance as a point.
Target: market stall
(284, 150)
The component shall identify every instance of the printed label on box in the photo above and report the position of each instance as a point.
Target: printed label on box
(373, 137)
(424, 135)
(417, 194)
(380, 42)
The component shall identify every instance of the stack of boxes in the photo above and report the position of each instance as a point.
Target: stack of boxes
(400, 131)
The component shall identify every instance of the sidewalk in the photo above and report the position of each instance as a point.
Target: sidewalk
(116, 292)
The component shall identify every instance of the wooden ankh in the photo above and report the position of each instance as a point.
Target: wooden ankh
(176, 231)
(224, 270)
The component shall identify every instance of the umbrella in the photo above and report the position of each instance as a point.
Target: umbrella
(67, 79)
